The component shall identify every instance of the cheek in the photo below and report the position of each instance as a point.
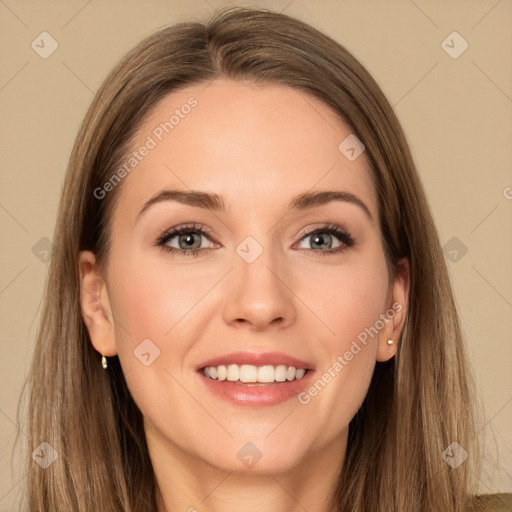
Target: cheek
(159, 309)
(152, 295)
(349, 298)
(153, 303)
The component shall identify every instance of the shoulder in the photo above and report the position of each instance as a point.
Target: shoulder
(492, 503)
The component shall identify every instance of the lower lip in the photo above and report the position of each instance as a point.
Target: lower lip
(254, 394)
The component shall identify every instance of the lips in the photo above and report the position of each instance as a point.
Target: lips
(256, 359)
(255, 395)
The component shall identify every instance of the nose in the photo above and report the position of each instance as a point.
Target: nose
(259, 294)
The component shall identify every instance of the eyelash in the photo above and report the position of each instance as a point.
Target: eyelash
(331, 229)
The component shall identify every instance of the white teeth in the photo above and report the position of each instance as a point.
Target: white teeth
(266, 374)
(233, 372)
(291, 373)
(249, 373)
(280, 373)
(222, 372)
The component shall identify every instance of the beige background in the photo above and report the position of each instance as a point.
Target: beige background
(456, 113)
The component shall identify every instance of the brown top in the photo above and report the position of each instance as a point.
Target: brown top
(492, 503)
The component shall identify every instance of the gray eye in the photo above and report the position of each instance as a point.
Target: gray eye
(186, 241)
(320, 240)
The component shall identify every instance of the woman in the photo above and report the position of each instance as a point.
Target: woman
(248, 306)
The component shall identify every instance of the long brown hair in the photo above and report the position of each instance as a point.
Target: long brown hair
(418, 403)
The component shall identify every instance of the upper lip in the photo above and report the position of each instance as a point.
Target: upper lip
(256, 359)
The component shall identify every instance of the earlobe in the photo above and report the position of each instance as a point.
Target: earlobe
(390, 334)
(386, 349)
(95, 305)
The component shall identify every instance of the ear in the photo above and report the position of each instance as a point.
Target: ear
(395, 313)
(95, 305)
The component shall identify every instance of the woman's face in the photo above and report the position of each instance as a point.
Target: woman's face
(260, 282)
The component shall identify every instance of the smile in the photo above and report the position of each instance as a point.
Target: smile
(247, 373)
(254, 393)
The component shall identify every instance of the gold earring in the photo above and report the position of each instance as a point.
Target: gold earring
(103, 362)
(390, 342)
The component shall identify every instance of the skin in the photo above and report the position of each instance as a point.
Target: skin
(257, 146)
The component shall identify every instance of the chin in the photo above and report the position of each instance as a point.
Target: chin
(254, 458)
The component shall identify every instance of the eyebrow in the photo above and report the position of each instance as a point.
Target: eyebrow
(215, 202)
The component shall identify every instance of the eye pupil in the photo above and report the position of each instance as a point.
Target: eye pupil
(321, 238)
(188, 240)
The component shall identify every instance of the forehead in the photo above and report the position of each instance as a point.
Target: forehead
(256, 145)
